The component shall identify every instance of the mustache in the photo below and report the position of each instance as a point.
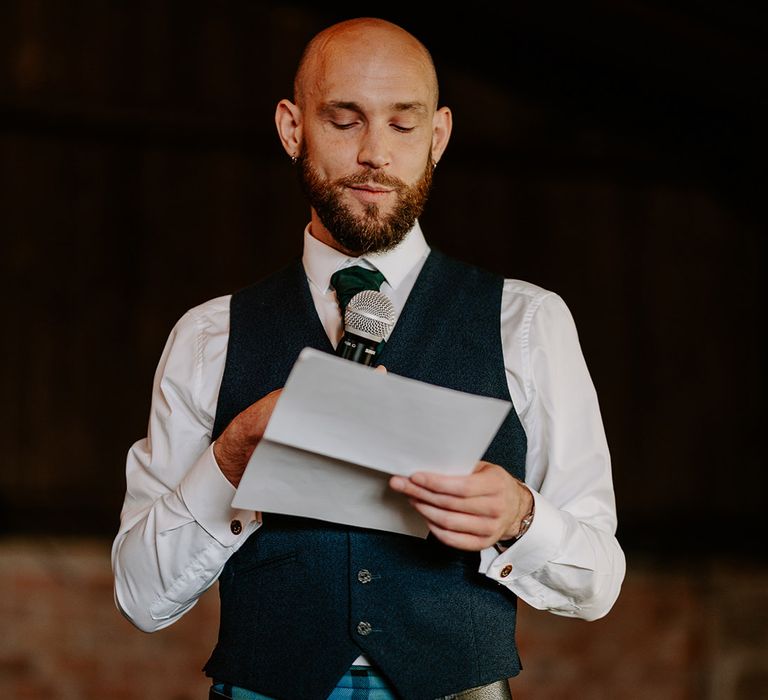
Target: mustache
(365, 177)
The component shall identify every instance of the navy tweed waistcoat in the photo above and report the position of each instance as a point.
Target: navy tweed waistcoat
(291, 600)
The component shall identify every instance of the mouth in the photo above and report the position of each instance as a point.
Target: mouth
(370, 193)
(371, 188)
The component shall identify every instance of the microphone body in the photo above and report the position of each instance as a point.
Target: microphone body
(368, 321)
(358, 349)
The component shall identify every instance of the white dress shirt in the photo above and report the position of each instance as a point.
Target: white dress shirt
(176, 530)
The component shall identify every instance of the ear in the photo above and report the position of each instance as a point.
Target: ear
(289, 126)
(442, 123)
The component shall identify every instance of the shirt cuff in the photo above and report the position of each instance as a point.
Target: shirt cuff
(538, 546)
(207, 494)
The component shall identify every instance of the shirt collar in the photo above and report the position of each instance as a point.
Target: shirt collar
(321, 261)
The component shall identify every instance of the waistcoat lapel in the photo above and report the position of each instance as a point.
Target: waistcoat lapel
(273, 321)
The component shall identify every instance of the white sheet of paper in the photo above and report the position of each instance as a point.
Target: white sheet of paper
(340, 429)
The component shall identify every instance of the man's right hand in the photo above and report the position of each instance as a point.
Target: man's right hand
(236, 444)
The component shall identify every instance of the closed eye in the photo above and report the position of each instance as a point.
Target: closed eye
(403, 129)
(344, 125)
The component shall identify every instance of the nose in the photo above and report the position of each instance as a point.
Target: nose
(374, 149)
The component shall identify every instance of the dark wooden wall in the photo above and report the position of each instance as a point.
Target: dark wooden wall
(614, 152)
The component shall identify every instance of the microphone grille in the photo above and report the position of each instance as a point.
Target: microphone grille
(370, 314)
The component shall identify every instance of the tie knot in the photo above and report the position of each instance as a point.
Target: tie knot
(351, 280)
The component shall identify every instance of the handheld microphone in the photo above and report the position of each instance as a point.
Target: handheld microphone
(368, 320)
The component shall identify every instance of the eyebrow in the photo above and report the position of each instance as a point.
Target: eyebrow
(410, 107)
(334, 105)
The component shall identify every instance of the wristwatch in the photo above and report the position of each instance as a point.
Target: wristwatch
(525, 523)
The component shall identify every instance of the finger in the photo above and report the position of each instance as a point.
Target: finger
(480, 505)
(409, 488)
(480, 483)
(459, 540)
(466, 523)
(381, 369)
(482, 466)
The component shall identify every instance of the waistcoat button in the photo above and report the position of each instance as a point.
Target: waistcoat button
(364, 576)
(364, 628)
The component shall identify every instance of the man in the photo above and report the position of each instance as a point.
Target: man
(310, 608)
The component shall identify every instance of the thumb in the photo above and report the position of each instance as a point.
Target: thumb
(381, 369)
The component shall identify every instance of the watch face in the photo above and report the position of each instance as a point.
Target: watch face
(524, 525)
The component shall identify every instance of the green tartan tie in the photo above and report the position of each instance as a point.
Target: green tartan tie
(351, 280)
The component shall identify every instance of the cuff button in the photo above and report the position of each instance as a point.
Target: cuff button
(506, 571)
(236, 526)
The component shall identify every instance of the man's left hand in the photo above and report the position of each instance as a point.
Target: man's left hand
(469, 512)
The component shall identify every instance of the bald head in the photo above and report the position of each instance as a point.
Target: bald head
(366, 131)
(374, 41)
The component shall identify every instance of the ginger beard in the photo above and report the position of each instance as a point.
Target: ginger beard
(372, 231)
